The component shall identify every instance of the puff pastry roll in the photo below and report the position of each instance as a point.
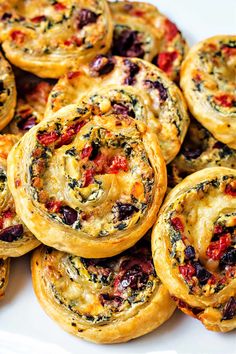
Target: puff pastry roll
(151, 85)
(199, 150)
(7, 92)
(141, 31)
(31, 103)
(47, 38)
(4, 275)
(194, 246)
(15, 238)
(108, 300)
(94, 181)
(208, 80)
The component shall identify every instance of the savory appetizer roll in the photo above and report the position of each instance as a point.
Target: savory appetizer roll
(48, 37)
(141, 31)
(208, 81)
(151, 85)
(4, 275)
(194, 246)
(31, 103)
(7, 92)
(94, 182)
(199, 150)
(108, 300)
(15, 238)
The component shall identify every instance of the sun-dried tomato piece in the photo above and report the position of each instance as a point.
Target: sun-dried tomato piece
(229, 51)
(165, 60)
(171, 30)
(88, 177)
(187, 271)
(67, 137)
(40, 92)
(54, 206)
(177, 224)
(231, 190)
(18, 36)
(73, 74)
(73, 41)
(47, 139)
(216, 249)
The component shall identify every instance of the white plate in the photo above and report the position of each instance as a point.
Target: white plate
(26, 329)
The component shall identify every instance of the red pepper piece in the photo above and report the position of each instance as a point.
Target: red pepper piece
(88, 177)
(54, 206)
(229, 51)
(138, 13)
(86, 152)
(177, 224)
(18, 37)
(218, 229)
(47, 138)
(171, 30)
(73, 74)
(230, 190)
(165, 60)
(73, 41)
(216, 249)
(187, 271)
(59, 6)
(39, 19)
(225, 100)
(119, 163)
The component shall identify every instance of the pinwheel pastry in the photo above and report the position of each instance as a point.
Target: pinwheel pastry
(48, 37)
(94, 181)
(199, 150)
(7, 92)
(141, 31)
(170, 119)
(194, 246)
(208, 81)
(15, 238)
(106, 300)
(4, 275)
(31, 103)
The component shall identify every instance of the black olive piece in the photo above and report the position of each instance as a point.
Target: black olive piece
(133, 70)
(27, 124)
(69, 215)
(229, 310)
(189, 252)
(127, 44)
(86, 17)
(102, 65)
(126, 210)
(201, 273)
(229, 258)
(11, 233)
(119, 108)
(95, 150)
(191, 153)
(160, 87)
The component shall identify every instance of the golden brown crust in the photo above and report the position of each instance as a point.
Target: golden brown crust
(7, 92)
(50, 38)
(15, 238)
(95, 181)
(163, 98)
(208, 82)
(4, 275)
(140, 30)
(101, 311)
(193, 245)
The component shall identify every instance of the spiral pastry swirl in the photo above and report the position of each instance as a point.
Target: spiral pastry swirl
(208, 82)
(15, 238)
(194, 246)
(94, 181)
(108, 300)
(48, 39)
(7, 92)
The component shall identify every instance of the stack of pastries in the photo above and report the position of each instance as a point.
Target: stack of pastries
(117, 162)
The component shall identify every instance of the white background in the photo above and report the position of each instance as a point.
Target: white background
(26, 329)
